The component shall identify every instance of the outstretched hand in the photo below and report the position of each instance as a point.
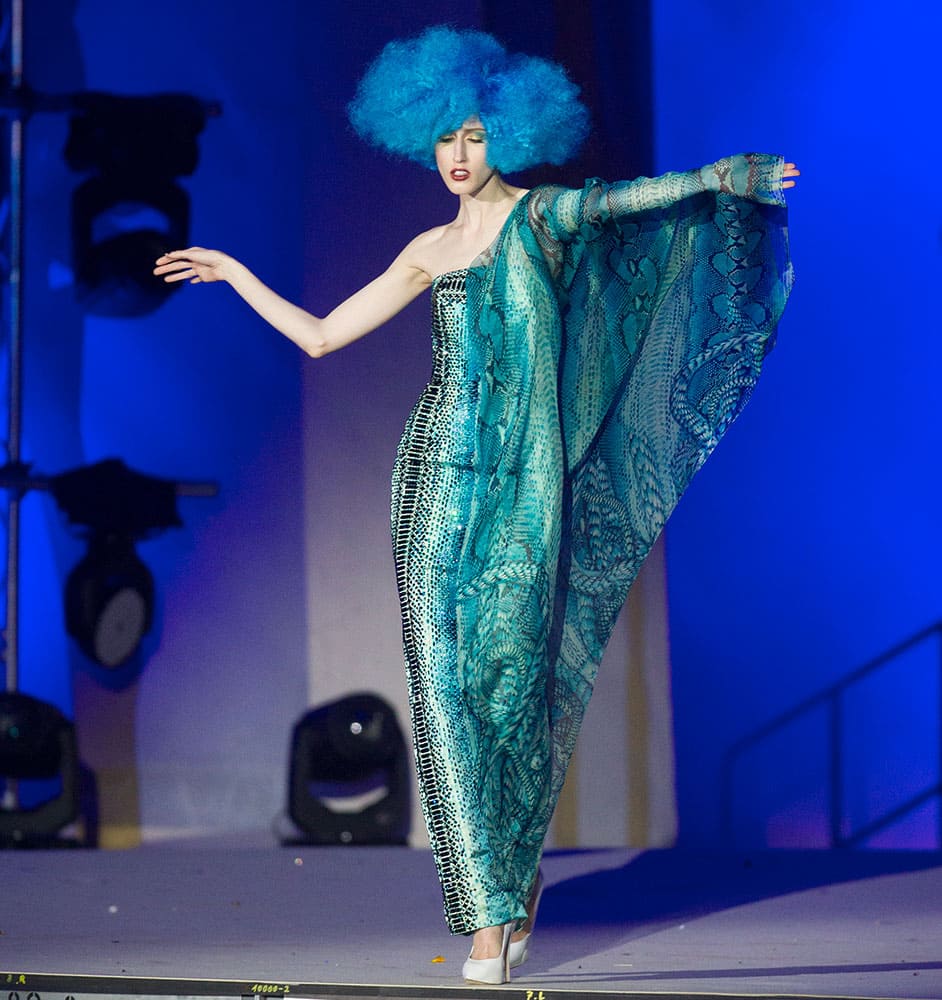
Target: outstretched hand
(790, 171)
(196, 264)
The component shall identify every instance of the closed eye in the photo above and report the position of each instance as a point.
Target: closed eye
(477, 137)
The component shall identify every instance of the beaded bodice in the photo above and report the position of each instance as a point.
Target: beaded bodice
(441, 425)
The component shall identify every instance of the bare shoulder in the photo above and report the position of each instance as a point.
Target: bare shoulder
(421, 251)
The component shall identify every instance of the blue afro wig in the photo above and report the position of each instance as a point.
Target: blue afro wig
(419, 89)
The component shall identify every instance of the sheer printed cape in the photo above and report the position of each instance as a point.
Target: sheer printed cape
(624, 327)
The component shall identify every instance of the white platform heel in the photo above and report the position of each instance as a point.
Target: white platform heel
(491, 971)
(518, 951)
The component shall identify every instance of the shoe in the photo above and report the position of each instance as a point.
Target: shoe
(491, 971)
(519, 950)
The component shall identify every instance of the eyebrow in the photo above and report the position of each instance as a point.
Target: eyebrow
(455, 131)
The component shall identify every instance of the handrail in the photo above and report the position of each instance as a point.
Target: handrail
(831, 696)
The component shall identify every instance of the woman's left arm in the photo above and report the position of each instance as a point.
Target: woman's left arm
(756, 177)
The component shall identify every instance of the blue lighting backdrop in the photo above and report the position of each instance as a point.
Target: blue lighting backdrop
(811, 543)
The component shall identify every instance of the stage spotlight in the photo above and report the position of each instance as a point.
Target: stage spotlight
(132, 210)
(119, 228)
(349, 779)
(109, 600)
(37, 744)
(109, 595)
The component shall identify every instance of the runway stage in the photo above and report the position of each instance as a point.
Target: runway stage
(236, 918)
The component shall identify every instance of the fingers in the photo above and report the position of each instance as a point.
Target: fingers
(177, 254)
(166, 264)
(188, 274)
(173, 269)
(183, 265)
(195, 255)
(790, 170)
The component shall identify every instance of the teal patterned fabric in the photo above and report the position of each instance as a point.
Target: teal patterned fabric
(605, 342)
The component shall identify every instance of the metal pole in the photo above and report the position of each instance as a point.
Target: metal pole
(11, 791)
(14, 431)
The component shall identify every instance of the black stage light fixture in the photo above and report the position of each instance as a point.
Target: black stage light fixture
(119, 228)
(37, 744)
(131, 210)
(109, 595)
(349, 778)
(109, 600)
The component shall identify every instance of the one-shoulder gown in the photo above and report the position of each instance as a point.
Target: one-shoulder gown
(433, 482)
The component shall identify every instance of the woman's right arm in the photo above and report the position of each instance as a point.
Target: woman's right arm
(362, 312)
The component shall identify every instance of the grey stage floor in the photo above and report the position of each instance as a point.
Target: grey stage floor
(227, 918)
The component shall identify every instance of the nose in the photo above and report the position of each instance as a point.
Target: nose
(459, 151)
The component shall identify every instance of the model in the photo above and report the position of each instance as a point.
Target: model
(590, 348)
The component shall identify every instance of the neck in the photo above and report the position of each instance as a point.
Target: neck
(481, 208)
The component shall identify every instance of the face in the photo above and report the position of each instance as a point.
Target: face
(461, 157)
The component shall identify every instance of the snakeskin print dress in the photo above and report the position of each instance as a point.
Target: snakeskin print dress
(432, 481)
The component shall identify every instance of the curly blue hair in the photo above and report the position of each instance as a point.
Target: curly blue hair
(421, 88)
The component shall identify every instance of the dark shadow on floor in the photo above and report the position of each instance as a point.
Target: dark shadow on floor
(669, 885)
(658, 889)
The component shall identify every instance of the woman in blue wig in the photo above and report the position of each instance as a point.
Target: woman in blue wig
(591, 346)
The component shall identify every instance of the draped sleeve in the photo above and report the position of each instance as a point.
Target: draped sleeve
(585, 213)
(621, 329)
(696, 262)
